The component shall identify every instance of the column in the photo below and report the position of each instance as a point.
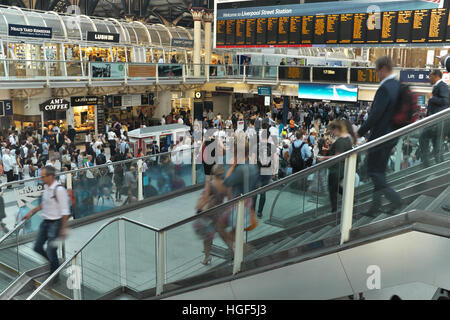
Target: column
(208, 18)
(197, 14)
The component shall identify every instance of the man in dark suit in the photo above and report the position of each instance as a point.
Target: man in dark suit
(438, 102)
(379, 123)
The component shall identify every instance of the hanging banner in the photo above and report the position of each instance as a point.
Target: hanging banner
(107, 70)
(141, 71)
(18, 30)
(55, 104)
(185, 43)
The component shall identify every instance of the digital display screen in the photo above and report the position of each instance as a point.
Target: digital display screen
(272, 30)
(363, 75)
(295, 30)
(404, 23)
(388, 30)
(360, 28)
(240, 31)
(346, 28)
(261, 31)
(448, 29)
(333, 92)
(438, 25)
(333, 28)
(373, 27)
(283, 30)
(319, 29)
(330, 74)
(221, 32)
(307, 29)
(419, 30)
(231, 32)
(296, 73)
(250, 32)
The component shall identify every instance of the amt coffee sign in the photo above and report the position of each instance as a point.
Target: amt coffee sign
(55, 104)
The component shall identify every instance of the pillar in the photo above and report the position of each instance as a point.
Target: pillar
(208, 18)
(197, 14)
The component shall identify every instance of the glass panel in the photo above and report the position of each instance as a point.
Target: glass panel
(26, 69)
(270, 72)
(72, 26)
(254, 71)
(131, 32)
(74, 69)
(53, 22)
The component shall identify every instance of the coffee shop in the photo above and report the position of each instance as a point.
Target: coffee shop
(53, 113)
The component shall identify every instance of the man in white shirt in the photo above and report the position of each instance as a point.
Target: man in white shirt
(12, 139)
(112, 142)
(55, 213)
(180, 120)
(161, 59)
(8, 165)
(163, 120)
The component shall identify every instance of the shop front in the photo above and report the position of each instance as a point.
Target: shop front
(54, 113)
(84, 116)
(132, 109)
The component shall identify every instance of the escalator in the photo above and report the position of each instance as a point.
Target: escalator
(302, 243)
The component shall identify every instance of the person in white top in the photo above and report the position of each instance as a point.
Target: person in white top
(163, 120)
(55, 213)
(12, 139)
(180, 120)
(8, 162)
(161, 59)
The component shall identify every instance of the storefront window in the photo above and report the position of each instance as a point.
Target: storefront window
(53, 52)
(54, 118)
(32, 56)
(97, 54)
(119, 54)
(84, 118)
(72, 57)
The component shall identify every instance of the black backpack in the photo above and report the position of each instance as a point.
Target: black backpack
(101, 159)
(297, 160)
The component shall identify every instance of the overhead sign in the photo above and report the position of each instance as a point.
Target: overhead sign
(415, 76)
(55, 104)
(6, 108)
(18, 30)
(83, 101)
(102, 37)
(264, 91)
(185, 43)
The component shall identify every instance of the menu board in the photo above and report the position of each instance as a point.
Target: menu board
(250, 32)
(404, 23)
(261, 31)
(388, 30)
(319, 29)
(373, 27)
(333, 28)
(101, 114)
(272, 30)
(307, 29)
(295, 30)
(346, 28)
(330, 74)
(438, 25)
(360, 28)
(363, 75)
(419, 30)
(221, 32)
(231, 32)
(283, 30)
(240, 31)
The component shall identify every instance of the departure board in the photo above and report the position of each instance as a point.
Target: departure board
(231, 32)
(388, 29)
(360, 28)
(404, 23)
(346, 28)
(448, 29)
(438, 25)
(373, 27)
(363, 75)
(283, 30)
(221, 32)
(332, 28)
(295, 30)
(330, 74)
(250, 32)
(261, 31)
(296, 73)
(319, 29)
(307, 29)
(272, 30)
(419, 30)
(240, 31)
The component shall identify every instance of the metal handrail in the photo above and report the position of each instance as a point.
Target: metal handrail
(17, 227)
(65, 263)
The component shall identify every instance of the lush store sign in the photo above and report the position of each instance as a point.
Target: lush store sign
(18, 30)
(55, 104)
(102, 37)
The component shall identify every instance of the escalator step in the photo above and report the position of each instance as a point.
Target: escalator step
(330, 233)
(317, 235)
(436, 205)
(420, 203)
(268, 249)
(299, 239)
(361, 221)
(380, 217)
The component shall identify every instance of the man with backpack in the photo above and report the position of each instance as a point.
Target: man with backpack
(300, 155)
(381, 122)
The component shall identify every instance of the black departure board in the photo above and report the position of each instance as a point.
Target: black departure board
(320, 22)
(373, 27)
(231, 32)
(272, 30)
(330, 74)
(419, 30)
(250, 32)
(307, 29)
(261, 31)
(404, 24)
(295, 30)
(283, 30)
(448, 29)
(360, 28)
(438, 25)
(240, 31)
(221, 32)
(363, 75)
(332, 28)
(346, 28)
(388, 29)
(296, 73)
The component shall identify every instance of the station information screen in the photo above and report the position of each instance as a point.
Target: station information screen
(221, 32)
(333, 28)
(438, 25)
(360, 28)
(261, 31)
(240, 31)
(283, 30)
(330, 74)
(373, 27)
(448, 29)
(319, 29)
(250, 32)
(363, 75)
(272, 30)
(404, 24)
(296, 73)
(295, 30)
(346, 28)
(307, 29)
(388, 29)
(419, 30)
(231, 32)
